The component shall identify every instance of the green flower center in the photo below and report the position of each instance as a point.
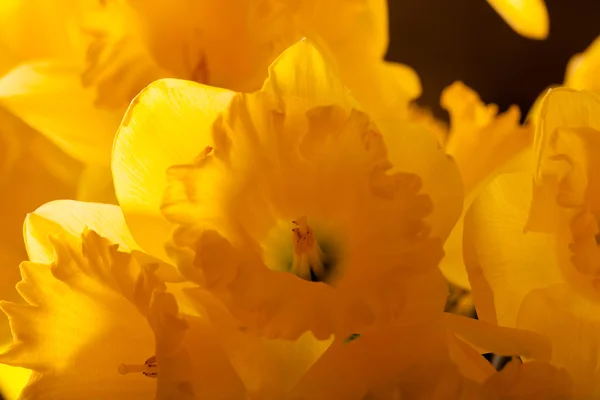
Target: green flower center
(310, 254)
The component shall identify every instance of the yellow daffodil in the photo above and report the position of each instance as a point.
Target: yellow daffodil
(527, 17)
(531, 238)
(289, 179)
(69, 332)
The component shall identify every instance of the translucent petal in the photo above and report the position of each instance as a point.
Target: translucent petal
(165, 125)
(527, 17)
(83, 131)
(562, 108)
(305, 71)
(72, 217)
(361, 26)
(504, 262)
(384, 89)
(83, 317)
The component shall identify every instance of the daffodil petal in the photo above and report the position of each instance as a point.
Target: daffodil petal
(83, 317)
(50, 98)
(562, 108)
(166, 125)
(272, 372)
(453, 265)
(384, 89)
(527, 17)
(304, 71)
(405, 77)
(361, 27)
(488, 338)
(414, 149)
(377, 22)
(582, 70)
(571, 323)
(12, 381)
(73, 217)
(503, 261)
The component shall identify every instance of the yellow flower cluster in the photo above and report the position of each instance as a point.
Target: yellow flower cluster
(256, 209)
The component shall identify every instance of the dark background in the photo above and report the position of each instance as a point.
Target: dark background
(448, 40)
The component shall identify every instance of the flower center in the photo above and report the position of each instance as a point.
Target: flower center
(307, 262)
(149, 368)
(313, 253)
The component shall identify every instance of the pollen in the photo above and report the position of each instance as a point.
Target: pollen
(308, 257)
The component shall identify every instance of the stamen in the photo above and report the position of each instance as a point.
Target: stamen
(149, 368)
(308, 257)
(203, 155)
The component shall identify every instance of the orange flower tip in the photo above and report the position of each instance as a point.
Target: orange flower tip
(528, 18)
